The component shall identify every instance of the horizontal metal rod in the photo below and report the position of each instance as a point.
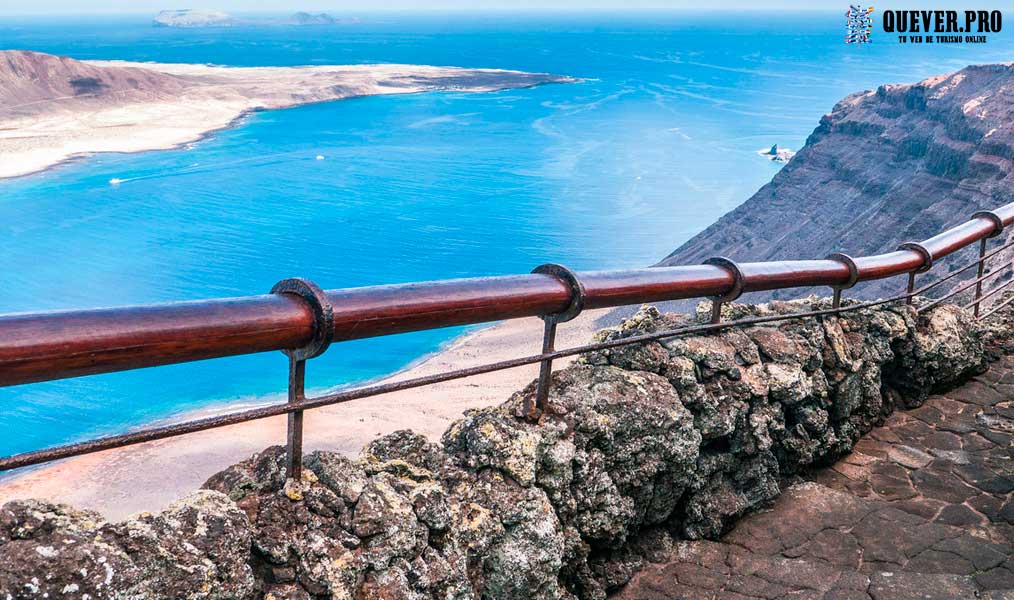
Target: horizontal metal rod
(996, 290)
(957, 272)
(157, 433)
(55, 345)
(965, 286)
(999, 306)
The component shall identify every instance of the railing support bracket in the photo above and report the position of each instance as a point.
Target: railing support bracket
(535, 410)
(997, 221)
(853, 276)
(323, 333)
(738, 281)
(927, 264)
(991, 216)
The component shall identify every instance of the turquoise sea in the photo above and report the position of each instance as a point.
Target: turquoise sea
(657, 142)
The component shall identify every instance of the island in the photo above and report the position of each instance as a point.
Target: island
(305, 18)
(193, 18)
(53, 108)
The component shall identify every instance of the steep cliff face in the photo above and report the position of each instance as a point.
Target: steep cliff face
(887, 166)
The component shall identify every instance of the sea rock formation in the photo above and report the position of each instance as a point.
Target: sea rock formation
(777, 154)
(901, 162)
(644, 444)
(305, 18)
(189, 17)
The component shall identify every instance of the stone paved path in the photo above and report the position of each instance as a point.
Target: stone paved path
(922, 509)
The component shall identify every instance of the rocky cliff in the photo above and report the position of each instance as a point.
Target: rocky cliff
(899, 163)
(645, 444)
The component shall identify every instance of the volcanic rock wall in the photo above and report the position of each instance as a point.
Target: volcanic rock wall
(645, 444)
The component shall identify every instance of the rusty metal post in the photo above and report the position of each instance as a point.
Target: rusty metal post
(978, 275)
(927, 264)
(323, 333)
(294, 442)
(997, 221)
(849, 262)
(738, 281)
(545, 371)
(535, 411)
(716, 311)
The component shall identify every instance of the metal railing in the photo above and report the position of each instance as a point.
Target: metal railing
(302, 320)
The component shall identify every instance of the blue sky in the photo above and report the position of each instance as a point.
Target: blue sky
(347, 6)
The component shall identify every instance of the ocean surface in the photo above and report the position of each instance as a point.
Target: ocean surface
(617, 171)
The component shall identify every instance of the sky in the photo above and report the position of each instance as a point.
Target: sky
(13, 7)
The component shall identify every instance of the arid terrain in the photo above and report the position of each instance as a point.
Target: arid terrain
(53, 108)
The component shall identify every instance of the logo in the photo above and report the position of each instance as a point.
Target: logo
(858, 24)
(942, 26)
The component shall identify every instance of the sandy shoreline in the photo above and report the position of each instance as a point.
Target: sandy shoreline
(118, 483)
(56, 109)
(28, 168)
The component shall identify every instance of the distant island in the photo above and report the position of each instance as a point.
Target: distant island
(192, 18)
(305, 18)
(53, 108)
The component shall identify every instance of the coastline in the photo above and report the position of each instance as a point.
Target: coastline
(141, 107)
(114, 482)
(71, 159)
(180, 104)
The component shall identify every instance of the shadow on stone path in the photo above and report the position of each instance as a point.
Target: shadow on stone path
(922, 509)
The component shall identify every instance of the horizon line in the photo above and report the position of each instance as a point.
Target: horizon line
(466, 10)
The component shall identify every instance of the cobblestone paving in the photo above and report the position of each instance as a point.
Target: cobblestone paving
(922, 509)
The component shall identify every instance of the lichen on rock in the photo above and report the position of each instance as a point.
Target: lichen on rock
(197, 548)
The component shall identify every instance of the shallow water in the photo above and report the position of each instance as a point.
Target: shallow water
(614, 172)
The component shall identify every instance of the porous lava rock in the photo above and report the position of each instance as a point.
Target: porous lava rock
(642, 445)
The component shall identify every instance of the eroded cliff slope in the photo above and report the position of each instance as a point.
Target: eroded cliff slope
(900, 163)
